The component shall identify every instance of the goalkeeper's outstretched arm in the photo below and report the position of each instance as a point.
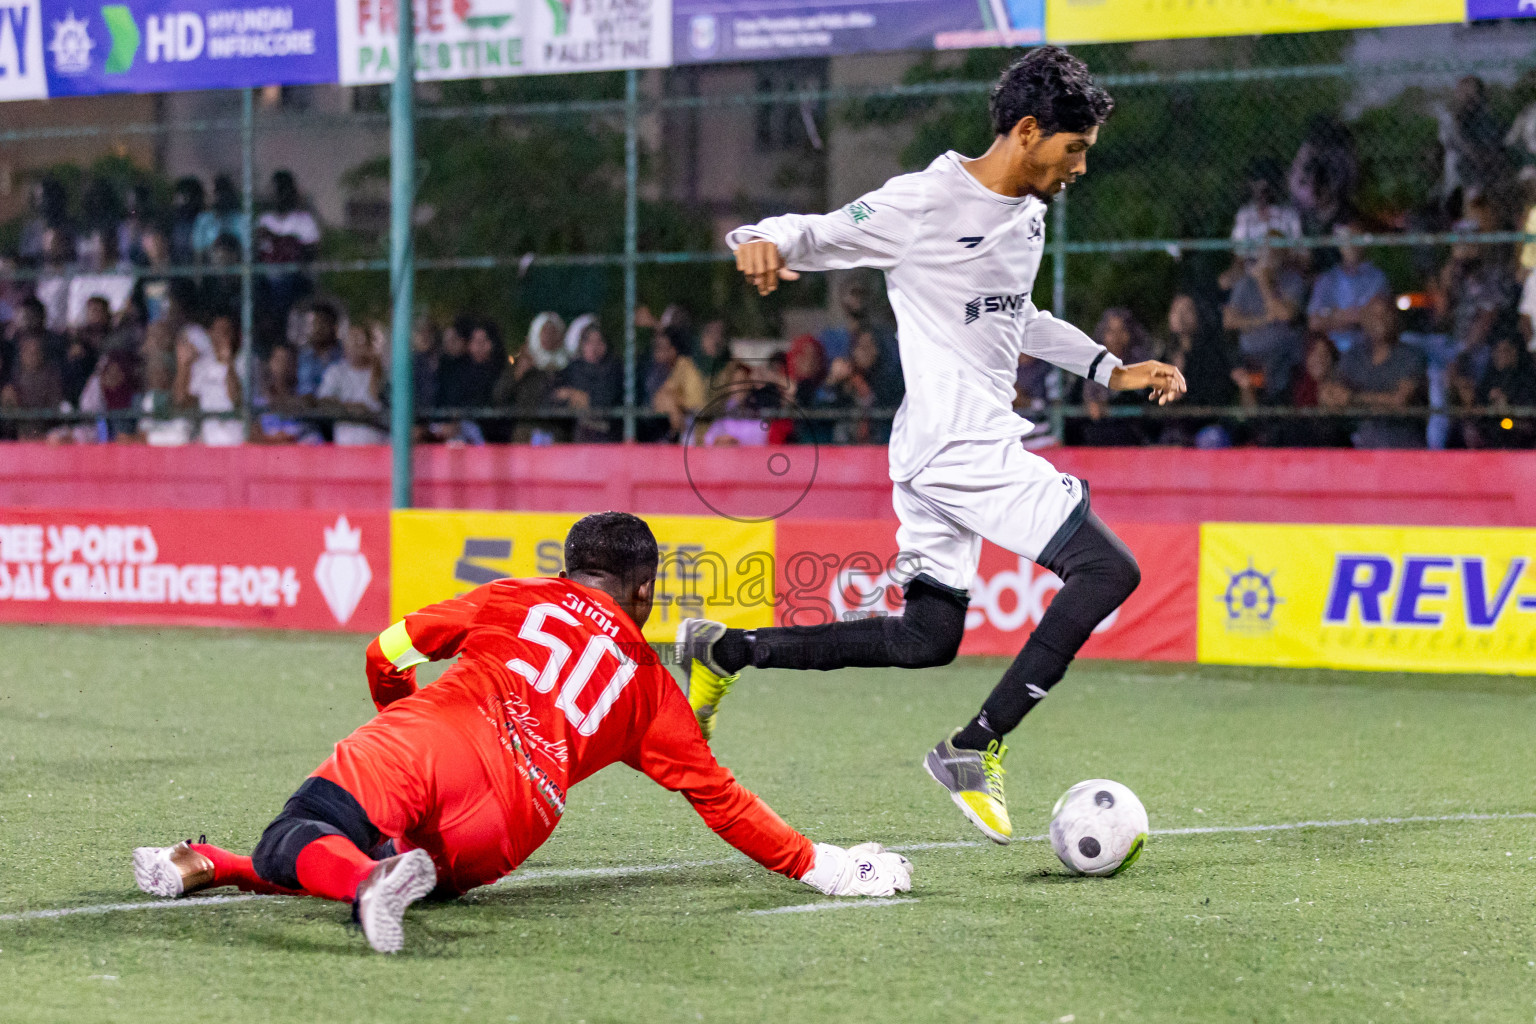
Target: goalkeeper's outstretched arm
(674, 754)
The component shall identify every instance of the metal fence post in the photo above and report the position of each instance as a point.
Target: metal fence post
(247, 255)
(402, 266)
(1059, 292)
(631, 239)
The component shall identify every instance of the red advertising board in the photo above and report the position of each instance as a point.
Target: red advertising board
(827, 570)
(283, 570)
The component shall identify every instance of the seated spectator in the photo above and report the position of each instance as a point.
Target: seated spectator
(1120, 333)
(869, 378)
(1195, 346)
(209, 383)
(1324, 174)
(714, 357)
(34, 385)
(1340, 293)
(225, 218)
(55, 279)
(219, 294)
(1263, 217)
(1474, 159)
(285, 233)
(1266, 311)
(353, 386)
(673, 385)
(858, 309)
(152, 292)
(594, 380)
(1318, 367)
(160, 427)
(86, 343)
(322, 348)
(278, 404)
(1510, 381)
(100, 214)
(138, 217)
(527, 385)
(1382, 374)
(425, 356)
(110, 389)
(741, 402)
(188, 201)
(49, 208)
(546, 344)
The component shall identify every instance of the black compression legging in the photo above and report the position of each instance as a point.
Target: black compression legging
(1098, 573)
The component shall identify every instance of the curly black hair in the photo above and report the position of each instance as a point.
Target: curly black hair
(613, 544)
(1055, 88)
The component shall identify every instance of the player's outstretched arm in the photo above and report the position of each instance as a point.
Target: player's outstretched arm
(431, 634)
(874, 231)
(674, 754)
(1165, 381)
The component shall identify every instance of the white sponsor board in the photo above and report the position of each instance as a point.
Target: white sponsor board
(22, 76)
(499, 38)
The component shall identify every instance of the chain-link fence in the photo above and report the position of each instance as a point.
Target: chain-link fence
(1226, 176)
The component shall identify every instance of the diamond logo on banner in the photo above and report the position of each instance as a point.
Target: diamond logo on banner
(342, 572)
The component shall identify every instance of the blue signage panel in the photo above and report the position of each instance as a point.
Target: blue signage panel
(173, 45)
(718, 30)
(1479, 10)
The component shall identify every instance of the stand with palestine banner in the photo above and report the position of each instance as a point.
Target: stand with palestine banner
(67, 48)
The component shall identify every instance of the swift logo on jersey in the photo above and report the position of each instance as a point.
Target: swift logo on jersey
(971, 241)
(1013, 305)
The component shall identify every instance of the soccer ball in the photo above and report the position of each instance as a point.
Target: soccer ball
(1098, 827)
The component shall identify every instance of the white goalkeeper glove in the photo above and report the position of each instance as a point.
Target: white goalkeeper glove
(868, 869)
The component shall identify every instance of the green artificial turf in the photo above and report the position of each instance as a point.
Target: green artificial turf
(111, 739)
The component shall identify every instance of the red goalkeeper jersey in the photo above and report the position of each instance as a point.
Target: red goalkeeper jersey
(567, 684)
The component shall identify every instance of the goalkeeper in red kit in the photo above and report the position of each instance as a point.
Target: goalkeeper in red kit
(453, 786)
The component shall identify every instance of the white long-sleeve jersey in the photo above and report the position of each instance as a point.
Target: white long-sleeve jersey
(960, 262)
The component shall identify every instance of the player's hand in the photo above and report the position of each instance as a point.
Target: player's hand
(868, 869)
(763, 265)
(1166, 382)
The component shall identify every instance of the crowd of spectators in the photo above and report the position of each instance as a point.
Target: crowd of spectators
(126, 322)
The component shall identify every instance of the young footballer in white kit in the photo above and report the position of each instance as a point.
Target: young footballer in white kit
(960, 244)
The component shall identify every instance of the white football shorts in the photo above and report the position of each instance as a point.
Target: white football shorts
(972, 490)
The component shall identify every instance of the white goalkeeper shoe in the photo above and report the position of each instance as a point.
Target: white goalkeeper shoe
(382, 897)
(172, 871)
(868, 869)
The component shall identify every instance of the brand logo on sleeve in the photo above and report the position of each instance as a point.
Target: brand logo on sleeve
(860, 211)
(971, 241)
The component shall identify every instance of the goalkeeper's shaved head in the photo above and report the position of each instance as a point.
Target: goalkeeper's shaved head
(615, 552)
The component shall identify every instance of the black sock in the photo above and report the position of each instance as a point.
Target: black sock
(1098, 573)
(976, 736)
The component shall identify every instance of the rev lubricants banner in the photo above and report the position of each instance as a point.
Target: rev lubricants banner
(1105, 21)
(1369, 597)
(497, 38)
(216, 567)
(710, 568)
(167, 45)
(830, 571)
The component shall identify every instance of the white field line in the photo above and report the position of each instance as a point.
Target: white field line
(620, 871)
(811, 908)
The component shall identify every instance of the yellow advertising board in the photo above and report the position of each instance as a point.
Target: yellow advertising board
(711, 568)
(1105, 21)
(1401, 598)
